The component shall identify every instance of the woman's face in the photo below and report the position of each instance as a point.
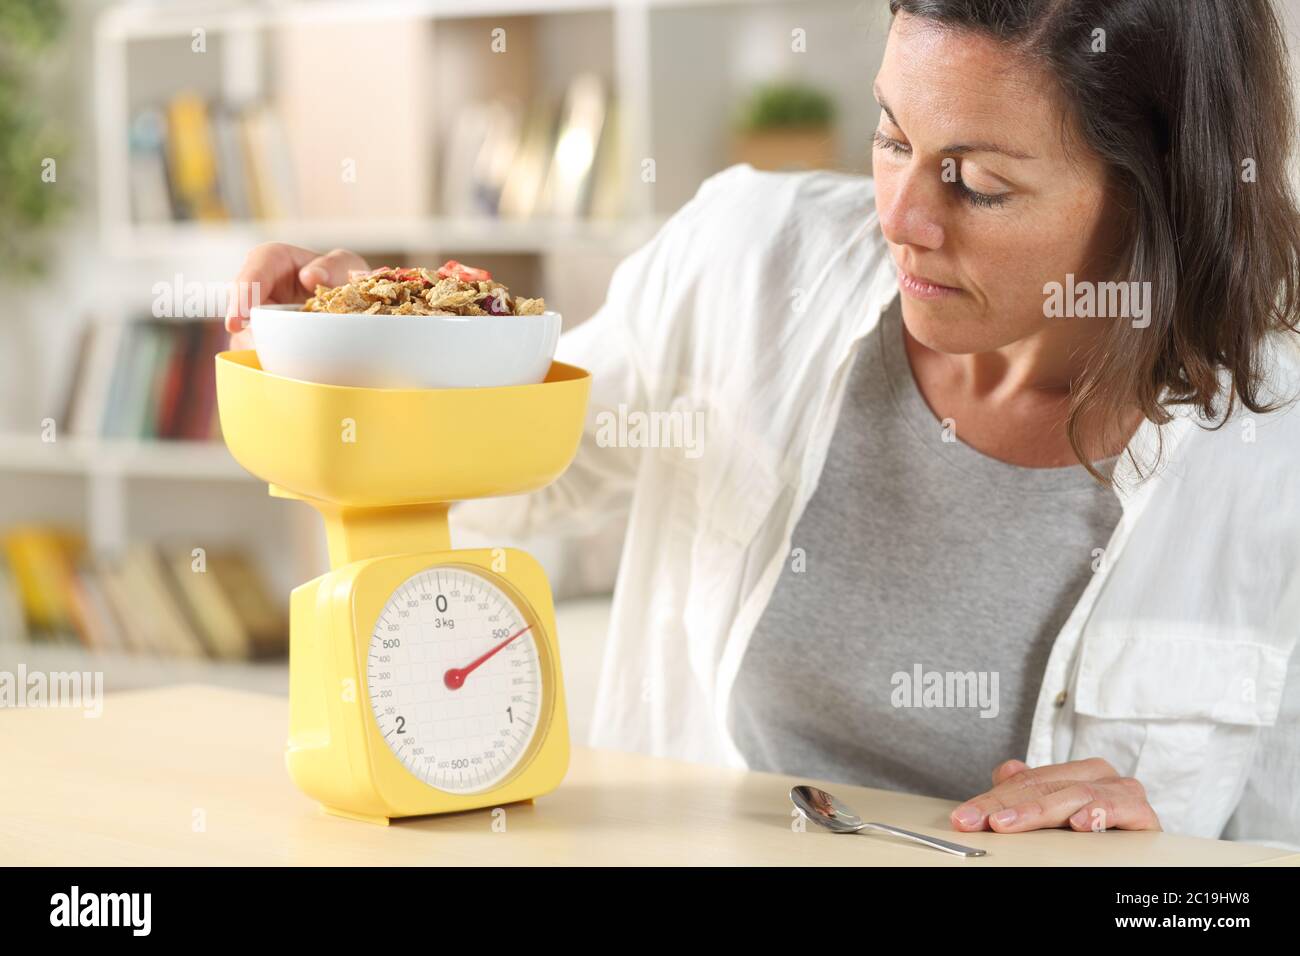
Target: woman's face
(983, 197)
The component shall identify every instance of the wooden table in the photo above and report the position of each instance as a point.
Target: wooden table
(195, 775)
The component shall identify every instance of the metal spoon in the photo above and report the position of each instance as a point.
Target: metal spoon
(822, 808)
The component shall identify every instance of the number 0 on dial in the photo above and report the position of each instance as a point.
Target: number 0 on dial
(455, 678)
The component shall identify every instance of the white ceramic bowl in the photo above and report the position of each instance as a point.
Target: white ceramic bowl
(404, 351)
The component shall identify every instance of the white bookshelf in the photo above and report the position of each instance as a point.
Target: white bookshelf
(243, 25)
(676, 69)
(671, 67)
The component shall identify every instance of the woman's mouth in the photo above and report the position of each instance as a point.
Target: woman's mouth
(920, 288)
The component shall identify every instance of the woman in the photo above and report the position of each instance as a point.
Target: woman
(998, 469)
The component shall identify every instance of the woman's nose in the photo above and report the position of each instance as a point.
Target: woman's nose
(910, 209)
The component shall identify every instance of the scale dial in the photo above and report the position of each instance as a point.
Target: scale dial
(456, 678)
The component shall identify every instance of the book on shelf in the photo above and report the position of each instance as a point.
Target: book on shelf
(191, 159)
(74, 382)
(13, 621)
(522, 186)
(149, 184)
(609, 179)
(565, 193)
(88, 594)
(233, 177)
(204, 161)
(149, 600)
(480, 149)
(41, 563)
(146, 379)
(267, 171)
(560, 161)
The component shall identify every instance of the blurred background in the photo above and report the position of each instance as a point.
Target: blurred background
(145, 147)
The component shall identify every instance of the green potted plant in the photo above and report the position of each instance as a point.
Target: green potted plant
(31, 191)
(33, 186)
(786, 125)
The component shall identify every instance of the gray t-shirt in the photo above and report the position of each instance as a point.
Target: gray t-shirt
(905, 643)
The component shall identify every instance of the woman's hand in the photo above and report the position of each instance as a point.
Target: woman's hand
(278, 273)
(1083, 795)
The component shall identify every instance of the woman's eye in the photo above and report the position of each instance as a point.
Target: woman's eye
(972, 196)
(970, 186)
(893, 145)
(976, 198)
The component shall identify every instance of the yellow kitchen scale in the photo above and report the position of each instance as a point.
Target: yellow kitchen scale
(422, 679)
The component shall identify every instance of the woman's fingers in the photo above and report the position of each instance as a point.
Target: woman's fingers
(269, 274)
(1017, 773)
(976, 813)
(1082, 794)
(1123, 806)
(1013, 783)
(1114, 803)
(330, 269)
(1007, 769)
(278, 272)
(241, 340)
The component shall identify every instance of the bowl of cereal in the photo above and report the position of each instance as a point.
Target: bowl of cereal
(455, 327)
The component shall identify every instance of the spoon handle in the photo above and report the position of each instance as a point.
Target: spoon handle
(954, 848)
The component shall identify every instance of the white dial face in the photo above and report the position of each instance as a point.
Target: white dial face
(455, 679)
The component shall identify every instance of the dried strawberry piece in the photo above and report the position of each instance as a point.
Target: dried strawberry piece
(453, 269)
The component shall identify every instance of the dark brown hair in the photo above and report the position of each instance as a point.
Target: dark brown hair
(1183, 95)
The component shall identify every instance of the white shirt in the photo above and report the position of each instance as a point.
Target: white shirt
(746, 309)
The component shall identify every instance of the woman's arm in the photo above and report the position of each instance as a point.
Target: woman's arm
(597, 487)
(633, 348)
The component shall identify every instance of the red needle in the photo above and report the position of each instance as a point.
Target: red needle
(455, 677)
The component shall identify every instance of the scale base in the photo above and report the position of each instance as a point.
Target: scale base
(385, 821)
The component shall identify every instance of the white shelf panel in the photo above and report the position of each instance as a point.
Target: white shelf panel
(145, 20)
(147, 459)
(125, 671)
(170, 240)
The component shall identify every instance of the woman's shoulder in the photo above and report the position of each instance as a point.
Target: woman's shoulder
(748, 236)
(1255, 447)
(742, 178)
(813, 205)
